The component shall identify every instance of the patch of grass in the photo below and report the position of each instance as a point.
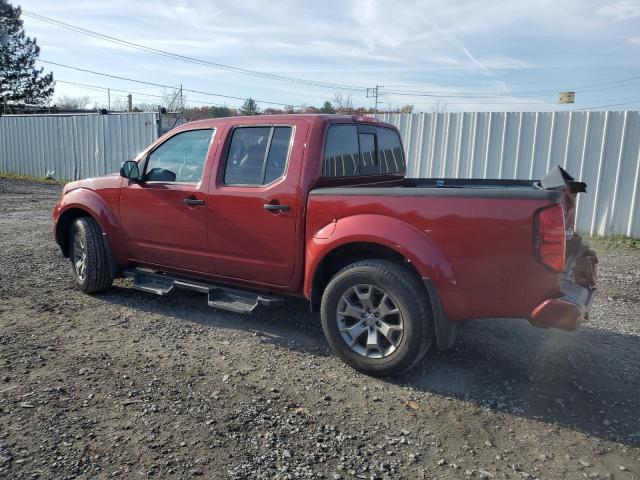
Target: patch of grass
(15, 176)
(615, 241)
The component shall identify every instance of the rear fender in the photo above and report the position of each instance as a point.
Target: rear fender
(390, 232)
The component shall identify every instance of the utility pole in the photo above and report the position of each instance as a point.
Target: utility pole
(109, 99)
(373, 92)
(181, 100)
(130, 102)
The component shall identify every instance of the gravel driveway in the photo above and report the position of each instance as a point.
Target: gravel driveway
(130, 385)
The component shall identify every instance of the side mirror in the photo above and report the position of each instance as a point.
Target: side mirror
(129, 169)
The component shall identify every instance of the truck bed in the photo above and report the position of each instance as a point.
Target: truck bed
(482, 233)
(449, 187)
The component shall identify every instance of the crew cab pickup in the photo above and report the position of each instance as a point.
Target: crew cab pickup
(252, 209)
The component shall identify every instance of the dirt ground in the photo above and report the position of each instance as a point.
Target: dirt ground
(129, 385)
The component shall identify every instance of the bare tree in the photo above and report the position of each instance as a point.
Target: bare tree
(145, 107)
(406, 109)
(67, 102)
(119, 104)
(439, 107)
(173, 99)
(343, 103)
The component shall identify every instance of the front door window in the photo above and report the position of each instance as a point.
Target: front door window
(180, 159)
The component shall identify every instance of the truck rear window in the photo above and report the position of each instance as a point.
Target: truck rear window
(351, 150)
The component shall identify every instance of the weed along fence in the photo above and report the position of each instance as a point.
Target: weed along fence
(71, 147)
(600, 148)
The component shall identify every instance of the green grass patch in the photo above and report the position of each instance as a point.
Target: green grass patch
(615, 241)
(29, 178)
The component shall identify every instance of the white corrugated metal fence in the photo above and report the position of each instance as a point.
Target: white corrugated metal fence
(72, 146)
(600, 148)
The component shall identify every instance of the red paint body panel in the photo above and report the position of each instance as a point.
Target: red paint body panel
(478, 252)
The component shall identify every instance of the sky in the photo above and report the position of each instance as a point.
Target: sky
(436, 55)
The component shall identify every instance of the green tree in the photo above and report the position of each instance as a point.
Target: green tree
(20, 81)
(219, 112)
(250, 107)
(327, 108)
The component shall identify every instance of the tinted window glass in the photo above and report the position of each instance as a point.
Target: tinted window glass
(181, 158)
(246, 156)
(278, 153)
(390, 151)
(249, 163)
(341, 151)
(369, 160)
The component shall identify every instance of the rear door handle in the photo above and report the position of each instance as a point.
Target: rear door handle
(192, 202)
(275, 207)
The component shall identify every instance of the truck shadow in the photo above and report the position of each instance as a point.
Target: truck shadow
(585, 380)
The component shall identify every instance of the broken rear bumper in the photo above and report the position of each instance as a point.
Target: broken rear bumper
(565, 312)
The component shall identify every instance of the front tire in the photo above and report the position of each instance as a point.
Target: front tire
(90, 256)
(377, 318)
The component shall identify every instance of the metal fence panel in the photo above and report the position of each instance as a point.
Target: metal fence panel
(72, 146)
(600, 148)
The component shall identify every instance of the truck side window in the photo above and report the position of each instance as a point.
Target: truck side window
(257, 155)
(180, 159)
(390, 151)
(341, 152)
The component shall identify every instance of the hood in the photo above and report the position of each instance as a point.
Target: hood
(112, 180)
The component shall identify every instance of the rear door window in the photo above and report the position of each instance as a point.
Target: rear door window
(257, 155)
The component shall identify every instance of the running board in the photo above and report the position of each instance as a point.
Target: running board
(225, 298)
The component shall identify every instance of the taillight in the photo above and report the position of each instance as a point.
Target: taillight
(550, 237)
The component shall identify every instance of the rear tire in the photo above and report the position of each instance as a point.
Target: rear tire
(90, 256)
(377, 318)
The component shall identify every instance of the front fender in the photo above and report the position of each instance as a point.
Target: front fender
(387, 231)
(95, 205)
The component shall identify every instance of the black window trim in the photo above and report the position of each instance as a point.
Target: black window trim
(145, 159)
(362, 129)
(272, 126)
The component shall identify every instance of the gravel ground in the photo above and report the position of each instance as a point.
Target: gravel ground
(129, 385)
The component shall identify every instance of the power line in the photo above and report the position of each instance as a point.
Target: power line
(175, 56)
(285, 78)
(144, 82)
(610, 105)
(143, 94)
(588, 88)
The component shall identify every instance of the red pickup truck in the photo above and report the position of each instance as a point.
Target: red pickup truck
(251, 209)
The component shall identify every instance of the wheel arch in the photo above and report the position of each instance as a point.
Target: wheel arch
(399, 242)
(381, 236)
(83, 202)
(341, 256)
(63, 226)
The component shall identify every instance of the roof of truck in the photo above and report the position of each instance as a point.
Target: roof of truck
(310, 117)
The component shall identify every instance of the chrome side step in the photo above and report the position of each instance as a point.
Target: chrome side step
(225, 298)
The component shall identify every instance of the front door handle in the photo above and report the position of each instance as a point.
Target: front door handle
(192, 202)
(276, 207)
